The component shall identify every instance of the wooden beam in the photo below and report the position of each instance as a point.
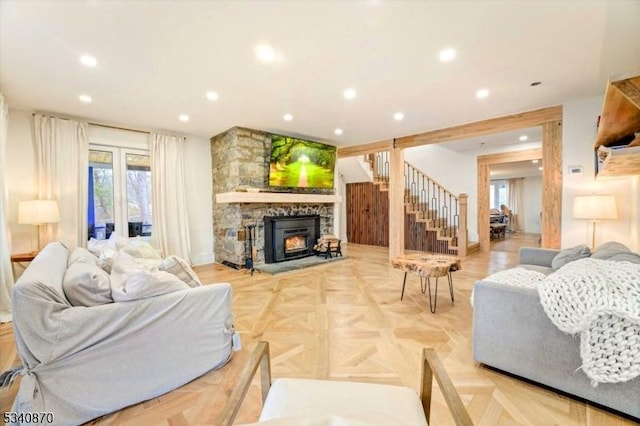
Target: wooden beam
(396, 203)
(511, 157)
(551, 184)
(483, 206)
(368, 148)
(484, 127)
(463, 232)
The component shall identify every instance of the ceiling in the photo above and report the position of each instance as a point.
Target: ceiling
(157, 59)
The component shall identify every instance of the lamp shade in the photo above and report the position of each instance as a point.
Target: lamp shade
(38, 212)
(594, 207)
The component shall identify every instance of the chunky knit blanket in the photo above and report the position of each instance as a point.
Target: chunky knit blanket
(600, 300)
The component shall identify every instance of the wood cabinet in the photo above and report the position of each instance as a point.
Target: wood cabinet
(617, 142)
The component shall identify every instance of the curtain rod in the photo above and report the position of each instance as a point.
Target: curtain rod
(119, 128)
(107, 126)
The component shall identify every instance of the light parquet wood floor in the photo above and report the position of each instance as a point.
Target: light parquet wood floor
(345, 321)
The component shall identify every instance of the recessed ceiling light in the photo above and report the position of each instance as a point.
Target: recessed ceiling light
(287, 117)
(540, 168)
(534, 161)
(88, 61)
(265, 53)
(212, 96)
(398, 116)
(350, 93)
(85, 98)
(482, 93)
(523, 138)
(338, 131)
(447, 55)
(184, 118)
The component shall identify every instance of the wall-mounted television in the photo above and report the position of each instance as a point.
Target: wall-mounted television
(297, 163)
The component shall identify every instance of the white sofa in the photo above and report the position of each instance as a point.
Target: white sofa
(79, 363)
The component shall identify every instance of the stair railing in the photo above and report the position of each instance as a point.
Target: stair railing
(380, 165)
(430, 199)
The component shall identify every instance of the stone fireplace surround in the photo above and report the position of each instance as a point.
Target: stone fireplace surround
(240, 159)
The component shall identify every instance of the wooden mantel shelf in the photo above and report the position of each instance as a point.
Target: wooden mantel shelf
(276, 197)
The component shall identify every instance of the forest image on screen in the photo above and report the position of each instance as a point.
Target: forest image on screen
(301, 164)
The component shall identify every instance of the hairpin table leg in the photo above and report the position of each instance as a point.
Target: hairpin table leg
(432, 303)
(403, 283)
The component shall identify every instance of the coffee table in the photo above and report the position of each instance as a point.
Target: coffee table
(427, 266)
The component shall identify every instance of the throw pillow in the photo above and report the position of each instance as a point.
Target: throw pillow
(105, 261)
(81, 254)
(569, 255)
(132, 280)
(85, 284)
(141, 249)
(626, 257)
(609, 249)
(181, 269)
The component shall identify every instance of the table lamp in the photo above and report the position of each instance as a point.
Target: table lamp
(594, 208)
(38, 212)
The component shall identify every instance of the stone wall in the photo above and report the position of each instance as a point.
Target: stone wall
(240, 159)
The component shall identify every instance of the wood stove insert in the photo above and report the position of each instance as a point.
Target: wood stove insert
(290, 237)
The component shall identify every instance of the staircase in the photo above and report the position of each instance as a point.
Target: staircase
(435, 218)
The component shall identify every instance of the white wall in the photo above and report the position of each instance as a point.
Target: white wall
(578, 137)
(532, 203)
(20, 175)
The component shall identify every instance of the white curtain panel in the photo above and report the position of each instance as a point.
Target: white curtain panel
(516, 203)
(62, 153)
(170, 232)
(6, 272)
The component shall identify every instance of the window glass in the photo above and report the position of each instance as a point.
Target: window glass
(101, 204)
(138, 195)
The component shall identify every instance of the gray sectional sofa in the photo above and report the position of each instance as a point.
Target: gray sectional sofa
(512, 333)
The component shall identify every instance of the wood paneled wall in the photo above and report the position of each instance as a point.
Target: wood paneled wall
(416, 237)
(367, 214)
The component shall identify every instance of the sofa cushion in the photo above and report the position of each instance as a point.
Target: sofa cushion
(86, 284)
(318, 398)
(132, 280)
(181, 269)
(569, 255)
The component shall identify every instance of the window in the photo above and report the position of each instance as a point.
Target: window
(498, 194)
(119, 192)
